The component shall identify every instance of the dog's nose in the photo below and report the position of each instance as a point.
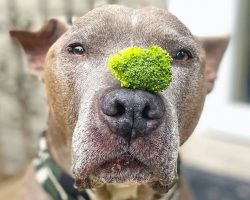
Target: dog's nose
(132, 113)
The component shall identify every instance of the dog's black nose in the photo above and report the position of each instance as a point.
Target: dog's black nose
(132, 113)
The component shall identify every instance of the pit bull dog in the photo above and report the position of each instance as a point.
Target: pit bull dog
(107, 141)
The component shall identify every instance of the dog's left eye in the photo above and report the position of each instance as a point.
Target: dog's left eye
(183, 55)
(76, 49)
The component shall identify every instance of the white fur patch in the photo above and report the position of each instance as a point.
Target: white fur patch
(134, 20)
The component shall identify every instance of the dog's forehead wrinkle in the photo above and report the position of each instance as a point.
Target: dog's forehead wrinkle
(102, 17)
(103, 28)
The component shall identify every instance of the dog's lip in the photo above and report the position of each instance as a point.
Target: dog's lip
(119, 163)
(114, 166)
(121, 168)
(116, 162)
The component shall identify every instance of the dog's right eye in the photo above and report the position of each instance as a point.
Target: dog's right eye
(183, 55)
(76, 49)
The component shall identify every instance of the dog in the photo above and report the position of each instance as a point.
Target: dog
(107, 141)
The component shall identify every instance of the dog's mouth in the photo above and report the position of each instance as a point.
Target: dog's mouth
(121, 163)
(128, 169)
(125, 169)
(122, 169)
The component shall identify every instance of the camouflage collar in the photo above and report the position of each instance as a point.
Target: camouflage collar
(58, 184)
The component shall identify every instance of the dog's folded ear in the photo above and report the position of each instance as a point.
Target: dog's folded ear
(214, 48)
(36, 44)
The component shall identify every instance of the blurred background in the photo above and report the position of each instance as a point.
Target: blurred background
(217, 156)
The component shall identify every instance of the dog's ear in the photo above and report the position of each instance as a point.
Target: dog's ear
(36, 44)
(214, 48)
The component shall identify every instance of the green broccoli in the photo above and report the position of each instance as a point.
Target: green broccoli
(142, 68)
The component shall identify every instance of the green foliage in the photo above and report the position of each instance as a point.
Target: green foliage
(140, 68)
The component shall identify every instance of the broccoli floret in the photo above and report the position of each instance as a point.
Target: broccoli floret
(142, 68)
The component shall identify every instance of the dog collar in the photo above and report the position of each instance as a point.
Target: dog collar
(58, 184)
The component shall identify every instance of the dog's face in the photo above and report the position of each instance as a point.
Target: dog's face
(77, 63)
(120, 135)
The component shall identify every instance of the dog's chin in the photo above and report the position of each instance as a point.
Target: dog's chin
(123, 170)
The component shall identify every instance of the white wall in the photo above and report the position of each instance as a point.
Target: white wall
(217, 17)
